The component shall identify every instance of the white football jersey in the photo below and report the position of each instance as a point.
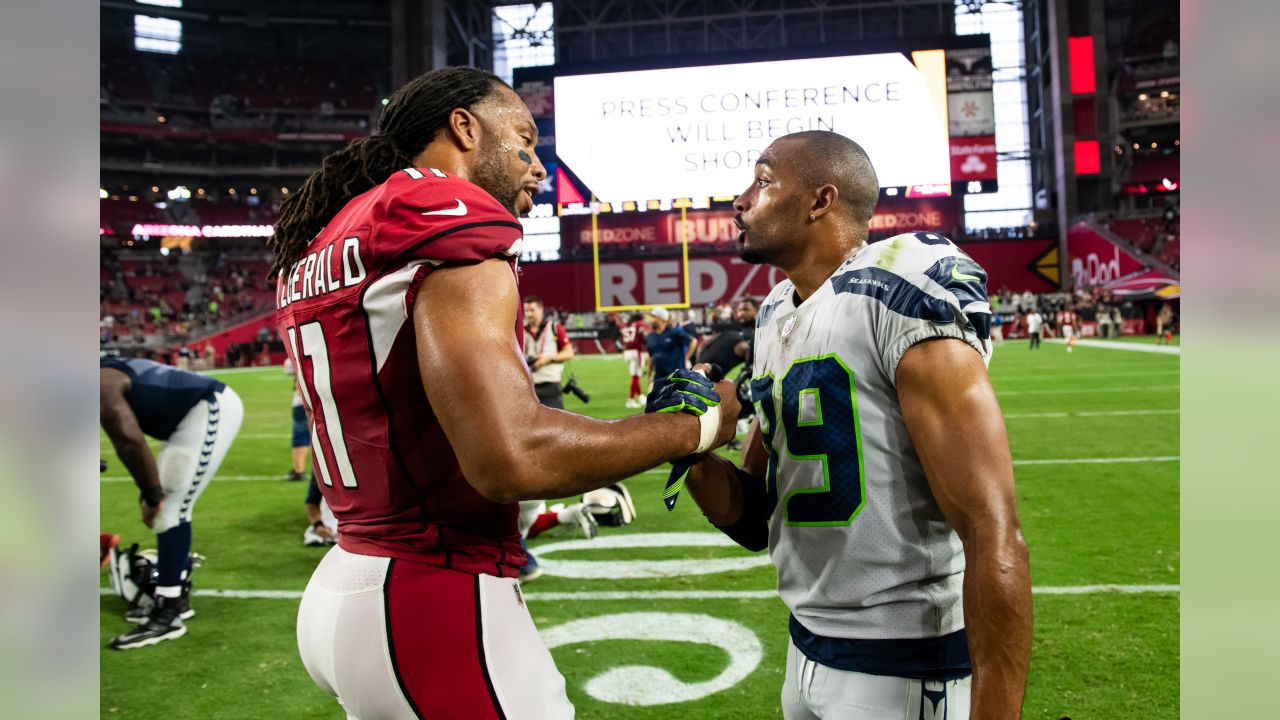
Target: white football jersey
(861, 548)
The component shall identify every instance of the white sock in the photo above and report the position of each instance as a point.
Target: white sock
(169, 591)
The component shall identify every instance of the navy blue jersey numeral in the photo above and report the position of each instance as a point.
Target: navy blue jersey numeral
(820, 420)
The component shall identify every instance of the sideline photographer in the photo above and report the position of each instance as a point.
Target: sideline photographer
(546, 348)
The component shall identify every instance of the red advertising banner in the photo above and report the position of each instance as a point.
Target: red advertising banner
(570, 286)
(716, 226)
(973, 158)
(1095, 260)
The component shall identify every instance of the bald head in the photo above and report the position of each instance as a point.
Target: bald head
(819, 157)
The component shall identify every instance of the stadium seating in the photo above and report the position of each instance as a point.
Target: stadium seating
(238, 85)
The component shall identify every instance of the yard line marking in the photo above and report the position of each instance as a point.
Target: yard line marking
(238, 370)
(1093, 413)
(1100, 461)
(591, 595)
(1081, 391)
(221, 478)
(263, 436)
(663, 471)
(1121, 589)
(1041, 375)
(1132, 347)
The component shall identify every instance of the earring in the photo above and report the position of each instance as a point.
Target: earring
(812, 218)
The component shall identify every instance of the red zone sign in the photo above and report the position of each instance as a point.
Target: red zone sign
(939, 215)
(570, 286)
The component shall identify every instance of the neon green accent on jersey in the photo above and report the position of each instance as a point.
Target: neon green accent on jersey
(817, 407)
(957, 275)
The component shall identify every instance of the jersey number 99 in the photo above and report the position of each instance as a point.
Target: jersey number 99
(819, 419)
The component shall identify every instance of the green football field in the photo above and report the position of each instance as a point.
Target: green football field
(1094, 436)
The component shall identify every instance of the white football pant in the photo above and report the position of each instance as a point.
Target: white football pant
(189, 458)
(813, 691)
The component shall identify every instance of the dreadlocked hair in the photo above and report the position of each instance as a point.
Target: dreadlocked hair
(409, 122)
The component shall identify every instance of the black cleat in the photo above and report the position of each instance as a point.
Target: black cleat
(141, 608)
(294, 476)
(164, 624)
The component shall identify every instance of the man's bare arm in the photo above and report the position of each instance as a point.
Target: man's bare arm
(511, 447)
(958, 432)
(121, 426)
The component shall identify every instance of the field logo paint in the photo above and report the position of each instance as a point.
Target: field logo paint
(644, 685)
(613, 568)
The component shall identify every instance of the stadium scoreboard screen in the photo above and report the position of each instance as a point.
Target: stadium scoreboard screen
(658, 138)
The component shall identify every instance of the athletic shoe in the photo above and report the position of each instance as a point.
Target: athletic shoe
(141, 608)
(585, 521)
(634, 403)
(164, 624)
(530, 571)
(106, 543)
(295, 476)
(311, 538)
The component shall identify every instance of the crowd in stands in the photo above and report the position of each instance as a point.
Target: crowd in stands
(154, 300)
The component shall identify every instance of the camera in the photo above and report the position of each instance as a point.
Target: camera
(572, 387)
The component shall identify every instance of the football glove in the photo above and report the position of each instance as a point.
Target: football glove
(692, 389)
(686, 391)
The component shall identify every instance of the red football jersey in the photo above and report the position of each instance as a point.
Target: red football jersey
(381, 459)
(633, 336)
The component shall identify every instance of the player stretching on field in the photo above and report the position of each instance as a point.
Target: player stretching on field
(197, 417)
(398, 304)
(878, 471)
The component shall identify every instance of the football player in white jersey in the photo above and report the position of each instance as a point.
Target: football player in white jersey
(878, 471)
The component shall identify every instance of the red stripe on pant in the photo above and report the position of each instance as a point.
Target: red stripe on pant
(434, 634)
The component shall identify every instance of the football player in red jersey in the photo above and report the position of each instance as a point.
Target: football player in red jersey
(636, 353)
(398, 303)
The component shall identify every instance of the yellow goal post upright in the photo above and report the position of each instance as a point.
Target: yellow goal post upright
(684, 204)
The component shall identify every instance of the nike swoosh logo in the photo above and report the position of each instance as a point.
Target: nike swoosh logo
(955, 273)
(460, 210)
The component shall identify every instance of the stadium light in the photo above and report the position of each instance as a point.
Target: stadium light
(1142, 97)
(103, 194)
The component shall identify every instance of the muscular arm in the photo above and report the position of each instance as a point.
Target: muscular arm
(121, 426)
(955, 424)
(511, 447)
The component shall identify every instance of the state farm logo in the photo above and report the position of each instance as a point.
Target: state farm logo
(973, 164)
(973, 149)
